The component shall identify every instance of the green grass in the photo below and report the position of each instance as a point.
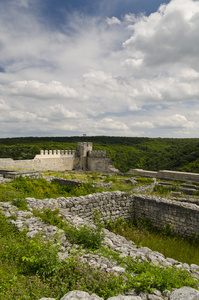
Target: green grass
(21, 188)
(30, 268)
(144, 235)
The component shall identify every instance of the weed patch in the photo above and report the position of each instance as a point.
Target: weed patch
(164, 241)
(89, 237)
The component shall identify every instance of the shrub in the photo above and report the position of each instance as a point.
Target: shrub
(149, 276)
(41, 258)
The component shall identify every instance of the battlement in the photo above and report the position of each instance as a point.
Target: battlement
(98, 153)
(61, 160)
(56, 153)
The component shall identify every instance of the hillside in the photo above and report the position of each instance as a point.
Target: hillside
(126, 152)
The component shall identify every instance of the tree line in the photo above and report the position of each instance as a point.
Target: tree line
(126, 152)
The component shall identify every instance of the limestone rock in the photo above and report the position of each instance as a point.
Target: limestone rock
(80, 295)
(185, 293)
(154, 297)
(121, 297)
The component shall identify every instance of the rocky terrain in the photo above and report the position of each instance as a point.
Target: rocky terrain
(26, 219)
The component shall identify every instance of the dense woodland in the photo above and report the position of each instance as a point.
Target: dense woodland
(126, 152)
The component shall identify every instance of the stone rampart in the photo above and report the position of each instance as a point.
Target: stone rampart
(17, 173)
(175, 175)
(55, 153)
(142, 173)
(164, 174)
(33, 225)
(65, 160)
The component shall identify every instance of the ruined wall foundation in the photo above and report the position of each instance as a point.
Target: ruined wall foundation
(182, 217)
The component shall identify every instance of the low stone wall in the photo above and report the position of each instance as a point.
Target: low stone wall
(17, 173)
(111, 205)
(183, 217)
(70, 182)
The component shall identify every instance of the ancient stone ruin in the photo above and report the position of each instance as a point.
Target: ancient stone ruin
(65, 160)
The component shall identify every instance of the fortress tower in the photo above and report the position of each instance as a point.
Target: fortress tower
(62, 160)
(83, 150)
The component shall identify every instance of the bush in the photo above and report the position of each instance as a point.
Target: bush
(149, 276)
(41, 257)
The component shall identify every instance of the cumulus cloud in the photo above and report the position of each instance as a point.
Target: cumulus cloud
(144, 124)
(101, 79)
(58, 112)
(134, 72)
(174, 121)
(110, 124)
(36, 89)
(168, 36)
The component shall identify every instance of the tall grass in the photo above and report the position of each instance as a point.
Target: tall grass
(40, 189)
(164, 241)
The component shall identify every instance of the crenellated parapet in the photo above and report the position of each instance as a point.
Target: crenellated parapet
(97, 153)
(84, 158)
(53, 153)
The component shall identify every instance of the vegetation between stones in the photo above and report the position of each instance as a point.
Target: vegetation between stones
(31, 268)
(164, 241)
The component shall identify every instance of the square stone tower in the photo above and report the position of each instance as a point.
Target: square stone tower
(83, 150)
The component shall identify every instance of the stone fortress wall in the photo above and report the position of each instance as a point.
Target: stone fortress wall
(164, 174)
(64, 160)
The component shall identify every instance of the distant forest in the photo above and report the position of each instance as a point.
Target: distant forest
(126, 152)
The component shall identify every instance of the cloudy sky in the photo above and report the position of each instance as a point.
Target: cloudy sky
(100, 67)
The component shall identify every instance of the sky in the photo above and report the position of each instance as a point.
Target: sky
(99, 67)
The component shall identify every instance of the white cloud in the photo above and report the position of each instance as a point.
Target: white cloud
(174, 121)
(140, 72)
(101, 79)
(133, 107)
(168, 36)
(110, 124)
(132, 63)
(144, 124)
(113, 21)
(36, 89)
(58, 112)
(3, 105)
